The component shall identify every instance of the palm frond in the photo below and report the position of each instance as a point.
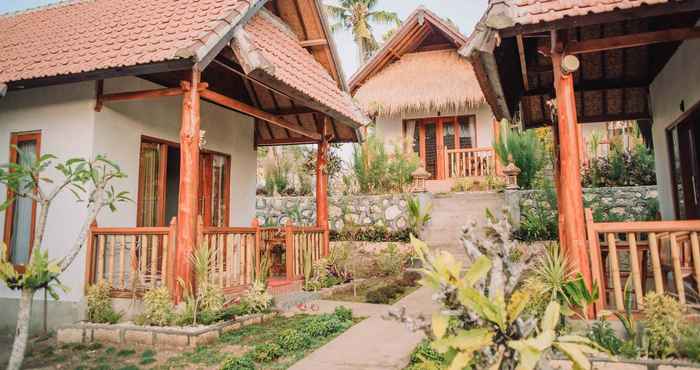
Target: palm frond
(384, 17)
(336, 12)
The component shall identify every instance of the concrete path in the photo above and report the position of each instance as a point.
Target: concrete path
(374, 343)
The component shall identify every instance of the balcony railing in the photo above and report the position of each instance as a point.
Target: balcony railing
(133, 260)
(627, 250)
(472, 162)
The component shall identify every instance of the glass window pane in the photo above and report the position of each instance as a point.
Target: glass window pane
(22, 212)
(150, 168)
(218, 190)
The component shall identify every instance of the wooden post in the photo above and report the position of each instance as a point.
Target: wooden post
(322, 183)
(189, 178)
(90, 257)
(289, 249)
(570, 193)
(171, 258)
(256, 253)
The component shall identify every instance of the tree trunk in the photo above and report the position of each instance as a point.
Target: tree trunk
(22, 334)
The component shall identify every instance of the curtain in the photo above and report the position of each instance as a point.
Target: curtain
(218, 190)
(410, 138)
(23, 209)
(150, 168)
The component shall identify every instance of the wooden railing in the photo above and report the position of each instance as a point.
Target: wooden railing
(304, 241)
(472, 162)
(131, 260)
(232, 255)
(670, 248)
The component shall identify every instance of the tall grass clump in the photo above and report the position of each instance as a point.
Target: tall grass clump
(525, 148)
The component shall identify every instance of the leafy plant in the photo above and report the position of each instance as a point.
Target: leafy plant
(99, 305)
(663, 316)
(390, 260)
(384, 294)
(90, 181)
(481, 322)
(553, 277)
(291, 340)
(376, 172)
(605, 336)
(257, 299)
(689, 343)
(343, 313)
(540, 222)
(418, 216)
(238, 363)
(158, 308)
(634, 167)
(266, 352)
(525, 150)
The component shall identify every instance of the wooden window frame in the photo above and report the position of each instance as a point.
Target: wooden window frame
(15, 140)
(202, 196)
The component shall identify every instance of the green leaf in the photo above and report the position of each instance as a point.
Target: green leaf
(575, 354)
(518, 302)
(440, 323)
(461, 360)
(465, 340)
(551, 316)
(478, 270)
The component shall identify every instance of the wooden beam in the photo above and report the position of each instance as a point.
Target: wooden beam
(313, 42)
(592, 85)
(189, 180)
(322, 180)
(570, 197)
(523, 65)
(286, 141)
(143, 94)
(257, 113)
(293, 111)
(632, 40)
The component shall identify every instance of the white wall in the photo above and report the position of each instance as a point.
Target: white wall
(64, 114)
(677, 82)
(120, 125)
(390, 128)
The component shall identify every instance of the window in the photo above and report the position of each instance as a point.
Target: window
(467, 131)
(20, 216)
(159, 184)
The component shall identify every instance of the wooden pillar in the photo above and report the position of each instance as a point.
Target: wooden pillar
(189, 178)
(322, 183)
(571, 213)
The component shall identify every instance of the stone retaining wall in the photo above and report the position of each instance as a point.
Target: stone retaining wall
(390, 211)
(637, 203)
(173, 337)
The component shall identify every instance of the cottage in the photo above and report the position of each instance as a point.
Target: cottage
(569, 63)
(425, 97)
(180, 94)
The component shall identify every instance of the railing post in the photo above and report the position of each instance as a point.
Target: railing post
(171, 258)
(596, 264)
(90, 256)
(256, 251)
(289, 249)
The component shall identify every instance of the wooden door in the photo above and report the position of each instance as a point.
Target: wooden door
(684, 142)
(429, 146)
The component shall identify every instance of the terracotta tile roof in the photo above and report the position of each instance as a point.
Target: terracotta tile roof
(266, 45)
(83, 36)
(536, 11)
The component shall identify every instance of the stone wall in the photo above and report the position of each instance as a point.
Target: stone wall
(608, 204)
(390, 211)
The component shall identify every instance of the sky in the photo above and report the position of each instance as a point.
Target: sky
(465, 13)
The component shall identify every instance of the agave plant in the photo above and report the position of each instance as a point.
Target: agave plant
(482, 322)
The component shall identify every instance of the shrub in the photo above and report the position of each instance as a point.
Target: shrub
(371, 234)
(324, 325)
(633, 167)
(99, 305)
(390, 260)
(291, 340)
(425, 357)
(376, 172)
(266, 352)
(409, 278)
(689, 343)
(238, 363)
(257, 299)
(343, 313)
(605, 336)
(540, 222)
(525, 150)
(663, 316)
(158, 308)
(384, 295)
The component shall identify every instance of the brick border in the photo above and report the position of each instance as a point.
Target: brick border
(173, 337)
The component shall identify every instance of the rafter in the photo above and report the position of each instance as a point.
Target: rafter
(632, 40)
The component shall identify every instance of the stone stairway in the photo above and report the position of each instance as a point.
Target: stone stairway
(452, 211)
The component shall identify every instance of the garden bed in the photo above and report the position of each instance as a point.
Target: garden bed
(276, 343)
(169, 336)
(383, 290)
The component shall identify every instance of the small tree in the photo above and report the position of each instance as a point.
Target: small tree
(90, 181)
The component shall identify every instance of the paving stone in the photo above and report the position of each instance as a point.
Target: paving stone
(172, 340)
(106, 335)
(138, 337)
(617, 366)
(69, 335)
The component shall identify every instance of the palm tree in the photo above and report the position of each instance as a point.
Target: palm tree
(358, 17)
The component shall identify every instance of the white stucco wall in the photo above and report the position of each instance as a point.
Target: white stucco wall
(677, 82)
(120, 125)
(70, 128)
(65, 117)
(390, 128)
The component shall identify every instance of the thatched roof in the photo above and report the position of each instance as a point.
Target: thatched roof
(432, 80)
